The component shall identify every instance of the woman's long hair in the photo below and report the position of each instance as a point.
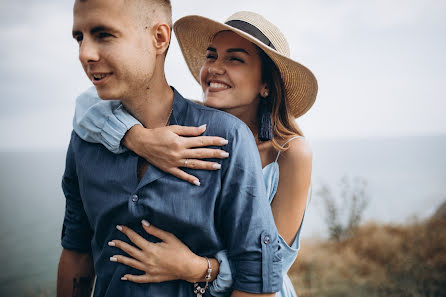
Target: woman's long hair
(283, 122)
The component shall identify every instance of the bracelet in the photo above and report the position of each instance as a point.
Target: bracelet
(199, 291)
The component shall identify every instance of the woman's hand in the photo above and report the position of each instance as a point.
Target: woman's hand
(167, 260)
(172, 147)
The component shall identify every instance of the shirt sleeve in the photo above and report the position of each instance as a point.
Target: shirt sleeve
(245, 218)
(100, 121)
(222, 285)
(76, 231)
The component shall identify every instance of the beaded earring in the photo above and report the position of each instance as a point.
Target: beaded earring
(265, 122)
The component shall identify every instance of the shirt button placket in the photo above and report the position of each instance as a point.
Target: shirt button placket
(135, 198)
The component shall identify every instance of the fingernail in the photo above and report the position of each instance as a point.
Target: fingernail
(225, 154)
(216, 166)
(113, 259)
(145, 223)
(223, 142)
(197, 182)
(123, 278)
(202, 126)
(111, 243)
(119, 227)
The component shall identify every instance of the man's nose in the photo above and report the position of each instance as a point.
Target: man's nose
(88, 52)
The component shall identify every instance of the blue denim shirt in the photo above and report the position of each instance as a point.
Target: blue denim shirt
(228, 211)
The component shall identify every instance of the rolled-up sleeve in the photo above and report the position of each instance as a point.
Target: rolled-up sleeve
(76, 231)
(245, 216)
(100, 121)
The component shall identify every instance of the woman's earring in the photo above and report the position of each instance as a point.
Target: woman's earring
(265, 94)
(265, 122)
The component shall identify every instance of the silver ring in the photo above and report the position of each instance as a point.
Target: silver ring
(185, 162)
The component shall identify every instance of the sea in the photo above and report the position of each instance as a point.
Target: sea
(402, 179)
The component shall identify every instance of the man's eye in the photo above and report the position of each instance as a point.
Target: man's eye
(102, 35)
(78, 38)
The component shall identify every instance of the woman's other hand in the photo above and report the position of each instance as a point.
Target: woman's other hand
(172, 147)
(167, 260)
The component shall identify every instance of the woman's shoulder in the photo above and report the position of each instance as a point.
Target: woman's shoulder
(298, 153)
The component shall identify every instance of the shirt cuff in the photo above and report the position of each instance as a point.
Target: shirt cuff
(76, 233)
(265, 276)
(222, 285)
(115, 128)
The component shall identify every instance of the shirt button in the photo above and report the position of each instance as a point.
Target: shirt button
(135, 198)
(266, 240)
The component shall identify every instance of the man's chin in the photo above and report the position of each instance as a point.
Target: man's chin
(106, 95)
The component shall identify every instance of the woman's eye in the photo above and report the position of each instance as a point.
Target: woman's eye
(211, 57)
(236, 59)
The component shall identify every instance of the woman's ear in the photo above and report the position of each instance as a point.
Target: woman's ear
(264, 91)
(162, 37)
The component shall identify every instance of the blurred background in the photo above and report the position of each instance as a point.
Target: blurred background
(374, 226)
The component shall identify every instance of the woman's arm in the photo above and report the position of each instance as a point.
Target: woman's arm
(291, 197)
(167, 260)
(99, 121)
(168, 148)
(173, 147)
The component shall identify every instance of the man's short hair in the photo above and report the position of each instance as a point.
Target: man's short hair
(158, 8)
(145, 9)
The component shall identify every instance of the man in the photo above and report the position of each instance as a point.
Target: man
(122, 48)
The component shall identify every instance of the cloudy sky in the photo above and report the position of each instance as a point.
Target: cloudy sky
(381, 65)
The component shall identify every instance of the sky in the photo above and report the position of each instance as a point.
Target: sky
(380, 65)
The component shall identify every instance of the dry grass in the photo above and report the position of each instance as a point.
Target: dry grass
(379, 260)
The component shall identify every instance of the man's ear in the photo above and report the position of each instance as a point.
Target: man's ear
(162, 37)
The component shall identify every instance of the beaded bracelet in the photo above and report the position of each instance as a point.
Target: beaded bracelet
(199, 290)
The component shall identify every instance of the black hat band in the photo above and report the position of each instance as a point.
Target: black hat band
(251, 30)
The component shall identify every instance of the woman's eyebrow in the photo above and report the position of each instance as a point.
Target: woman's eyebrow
(211, 49)
(240, 50)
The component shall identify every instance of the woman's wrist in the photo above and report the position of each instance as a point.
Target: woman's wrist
(198, 269)
(130, 139)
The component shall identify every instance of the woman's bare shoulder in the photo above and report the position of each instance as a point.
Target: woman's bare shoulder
(299, 151)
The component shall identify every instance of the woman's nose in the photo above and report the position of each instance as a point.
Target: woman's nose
(216, 68)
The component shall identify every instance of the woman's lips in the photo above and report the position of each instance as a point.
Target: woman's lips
(216, 86)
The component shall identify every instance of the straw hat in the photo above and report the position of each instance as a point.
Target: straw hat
(195, 34)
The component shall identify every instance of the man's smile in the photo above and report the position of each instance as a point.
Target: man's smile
(99, 77)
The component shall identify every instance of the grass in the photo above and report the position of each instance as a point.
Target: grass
(379, 260)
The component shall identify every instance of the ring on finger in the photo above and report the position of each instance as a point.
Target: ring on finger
(185, 162)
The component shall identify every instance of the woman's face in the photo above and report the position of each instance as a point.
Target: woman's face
(231, 76)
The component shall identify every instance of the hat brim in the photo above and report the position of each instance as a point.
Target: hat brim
(195, 33)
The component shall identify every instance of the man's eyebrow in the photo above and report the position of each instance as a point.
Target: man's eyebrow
(240, 50)
(100, 29)
(94, 30)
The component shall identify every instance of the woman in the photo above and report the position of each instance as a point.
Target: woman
(244, 69)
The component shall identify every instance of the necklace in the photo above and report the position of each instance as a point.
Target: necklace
(168, 117)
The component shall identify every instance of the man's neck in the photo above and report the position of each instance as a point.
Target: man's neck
(153, 106)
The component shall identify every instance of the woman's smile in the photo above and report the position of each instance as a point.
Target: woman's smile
(217, 86)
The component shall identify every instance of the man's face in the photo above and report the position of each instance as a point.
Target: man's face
(116, 51)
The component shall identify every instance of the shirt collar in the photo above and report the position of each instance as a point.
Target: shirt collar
(178, 108)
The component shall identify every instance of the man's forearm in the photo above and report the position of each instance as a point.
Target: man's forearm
(75, 275)
(244, 294)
